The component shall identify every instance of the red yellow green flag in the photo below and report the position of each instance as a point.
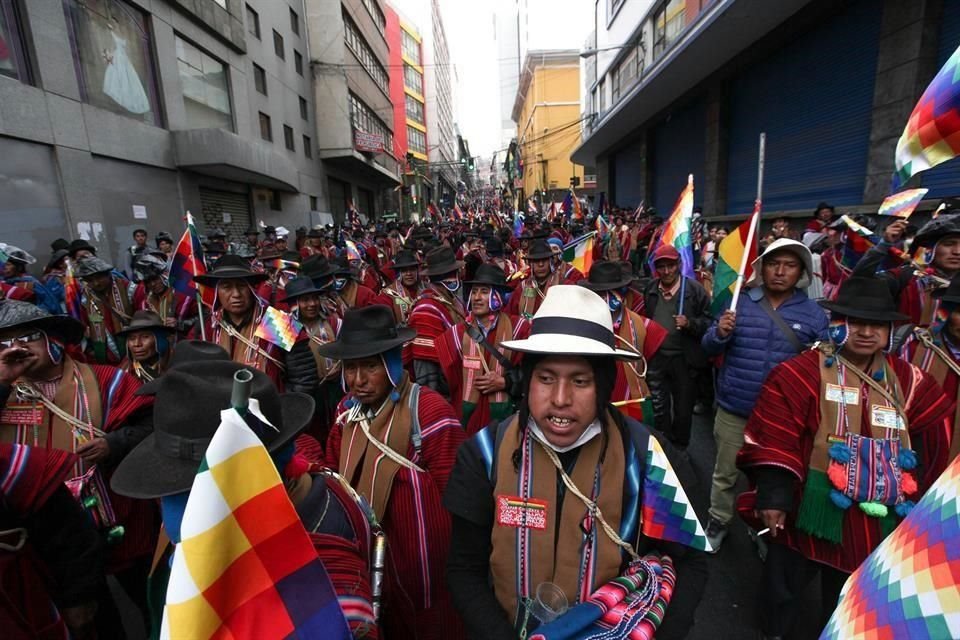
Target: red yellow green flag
(737, 250)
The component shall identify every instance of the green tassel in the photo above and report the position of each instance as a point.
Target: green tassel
(818, 516)
(874, 509)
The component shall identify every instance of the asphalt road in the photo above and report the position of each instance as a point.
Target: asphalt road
(729, 607)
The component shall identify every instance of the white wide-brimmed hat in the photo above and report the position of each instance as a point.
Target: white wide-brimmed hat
(571, 321)
(784, 244)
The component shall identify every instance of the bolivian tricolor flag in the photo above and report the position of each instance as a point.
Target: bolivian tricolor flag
(731, 259)
(579, 253)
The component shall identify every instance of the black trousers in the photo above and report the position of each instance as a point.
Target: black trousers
(133, 581)
(786, 575)
(673, 387)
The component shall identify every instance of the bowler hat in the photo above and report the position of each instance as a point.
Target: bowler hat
(80, 245)
(302, 286)
(60, 245)
(57, 256)
(405, 260)
(606, 276)
(866, 298)
(91, 266)
(145, 320)
(19, 314)
(441, 261)
(489, 275)
(539, 250)
(230, 267)
(366, 332)
(186, 414)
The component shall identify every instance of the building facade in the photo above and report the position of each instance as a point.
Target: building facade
(120, 114)
(354, 111)
(677, 87)
(547, 112)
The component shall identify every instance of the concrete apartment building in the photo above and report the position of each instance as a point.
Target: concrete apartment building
(547, 112)
(355, 126)
(118, 114)
(675, 87)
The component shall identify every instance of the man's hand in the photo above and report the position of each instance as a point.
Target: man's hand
(490, 382)
(727, 323)
(894, 231)
(170, 322)
(94, 451)
(682, 322)
(773, 520)
(13, 362)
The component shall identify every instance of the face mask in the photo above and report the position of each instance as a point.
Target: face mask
(614, 301)
(339, 283)
(451, 285)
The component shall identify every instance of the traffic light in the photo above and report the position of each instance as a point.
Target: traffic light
(470, 163)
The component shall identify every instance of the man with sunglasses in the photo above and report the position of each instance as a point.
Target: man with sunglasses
(51, 401)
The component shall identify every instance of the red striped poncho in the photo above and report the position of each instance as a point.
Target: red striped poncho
(432, 314)
(417, 603)
(780, 432)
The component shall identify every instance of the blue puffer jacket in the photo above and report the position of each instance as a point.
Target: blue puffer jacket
(757, 345)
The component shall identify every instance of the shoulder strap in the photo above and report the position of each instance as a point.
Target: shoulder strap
(501, 431)
(414, 403)
(781, 324)
(480, 339)
(900, 335)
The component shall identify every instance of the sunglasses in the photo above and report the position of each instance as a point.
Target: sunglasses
(26, 338)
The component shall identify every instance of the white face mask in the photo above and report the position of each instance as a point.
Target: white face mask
(592, 431)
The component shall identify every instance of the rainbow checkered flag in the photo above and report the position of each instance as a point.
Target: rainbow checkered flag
(279, 328)
(932, 134)
(245, 566)
(667, 512)
(909, 587)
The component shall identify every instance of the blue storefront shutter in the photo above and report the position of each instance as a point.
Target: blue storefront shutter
(944, 179)
(813, 98)
(626, 167)
(679, 149)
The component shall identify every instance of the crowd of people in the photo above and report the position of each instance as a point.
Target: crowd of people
(499, 417)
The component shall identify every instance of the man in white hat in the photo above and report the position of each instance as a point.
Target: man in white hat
(773, 322)
(549, 498)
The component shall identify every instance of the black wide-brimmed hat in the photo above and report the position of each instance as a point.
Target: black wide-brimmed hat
(302, 286)
(936, 229)
(489, 275)
(186, 414)
(16, 314)
(607, 276)
(317, 268)
(145, 320)
(230, 267)
(368, 331)
(421, 233)
(341, 266)
(57, 256)
(865, 298)
(539, 250)
(91, 266)
(404, 260)
(186, 352)
(950, 294)
(80, 245)
(217, 233)
(493, 247)
(440, 261)
(316, 233)
(252, 231)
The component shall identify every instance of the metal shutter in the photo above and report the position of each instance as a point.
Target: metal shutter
(814, 98)
(944, 180)
(626, 169)
(679, 149)
(216, 204)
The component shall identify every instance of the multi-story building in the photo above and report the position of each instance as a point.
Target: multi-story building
(547, 112)
(686, 86)
(354, 111)
(119, 114)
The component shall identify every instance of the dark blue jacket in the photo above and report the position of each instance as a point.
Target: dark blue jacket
(757, 345)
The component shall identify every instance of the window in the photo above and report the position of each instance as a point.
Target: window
(205, 88)
(413, 79)
(298, 62)
(364, 119)
(288, 138)
(275, 203)
(416, 140)
(13, 59)
(259, 78)
(612, 7)
(411, 48)
(253, 22)
(313, 203)
(307, 147)
(112, 49)
(376, 14)
(303, 109)
(603, 95)
(365, 54)
(627, 72)
(278, 45)
(614, 86)
(266, 131)
(668, 22)
(294, 22)
(414, 109)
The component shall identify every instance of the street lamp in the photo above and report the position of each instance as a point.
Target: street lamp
(586, 53)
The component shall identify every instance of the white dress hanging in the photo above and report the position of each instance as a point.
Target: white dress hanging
(121, 82)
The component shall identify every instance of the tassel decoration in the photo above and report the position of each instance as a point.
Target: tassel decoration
(395, 396)
(840, 452)
(838, 475)
(840, 500)
(908, 483)
(907, 459)
(904, 508)
(874, 509)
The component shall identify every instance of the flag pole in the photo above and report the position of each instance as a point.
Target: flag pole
(753, 227)
(193, 265)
